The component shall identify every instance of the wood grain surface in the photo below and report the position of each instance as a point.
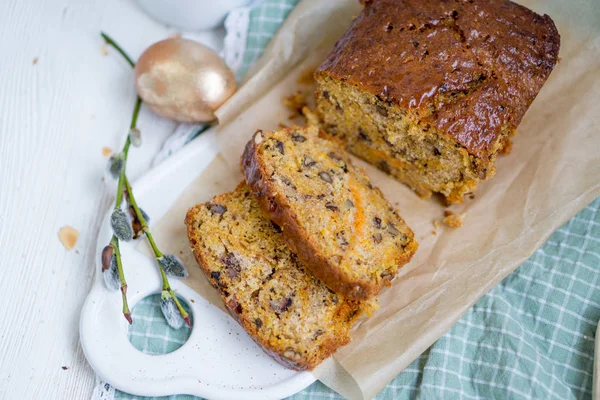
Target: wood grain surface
(63, 97)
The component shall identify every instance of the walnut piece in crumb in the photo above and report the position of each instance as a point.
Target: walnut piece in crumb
(68, 236)
(307, 77)
(453, 220)
(106, 152)
(295, 102)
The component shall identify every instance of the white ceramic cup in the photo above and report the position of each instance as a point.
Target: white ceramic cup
(190, 15)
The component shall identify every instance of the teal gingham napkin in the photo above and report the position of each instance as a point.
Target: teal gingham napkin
(531, 337)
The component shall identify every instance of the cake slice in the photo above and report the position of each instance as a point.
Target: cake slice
(294, 317)
(430, 91)
(339, 225)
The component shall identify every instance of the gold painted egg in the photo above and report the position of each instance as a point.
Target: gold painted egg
(183, 80)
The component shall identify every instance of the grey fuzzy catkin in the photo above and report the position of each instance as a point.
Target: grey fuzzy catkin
(170, 311)
(120, 225)
(116, 162)
(135, 136)
(173, 266)
(111, 275)
(146, 216)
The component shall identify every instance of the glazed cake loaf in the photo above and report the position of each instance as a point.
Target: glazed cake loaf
(431, 90)
(339, 225)
(292, 315)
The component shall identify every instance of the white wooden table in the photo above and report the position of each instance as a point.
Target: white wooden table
(62, 99)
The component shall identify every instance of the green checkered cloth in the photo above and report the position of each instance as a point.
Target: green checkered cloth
(532, 336)
(150, 332)
(265, 19)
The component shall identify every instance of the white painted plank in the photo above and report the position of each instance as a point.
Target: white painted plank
(55, 117)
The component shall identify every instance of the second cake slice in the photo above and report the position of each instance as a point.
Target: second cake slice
(338, 224)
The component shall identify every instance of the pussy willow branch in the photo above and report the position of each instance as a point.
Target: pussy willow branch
(114, 241)
(125, 152)
(124, 184)
(114, 44)
(157, 253)
(115, 244)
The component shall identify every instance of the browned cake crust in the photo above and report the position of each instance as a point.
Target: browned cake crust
(284, 308)
(465, 69)
(338, 224)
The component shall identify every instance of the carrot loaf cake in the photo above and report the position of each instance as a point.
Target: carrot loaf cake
(292, 315)
(339, 225)
(431, 90)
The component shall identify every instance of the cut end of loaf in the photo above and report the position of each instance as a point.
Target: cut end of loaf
(394, 140)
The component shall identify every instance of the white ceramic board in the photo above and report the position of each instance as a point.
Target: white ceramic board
(219, 360)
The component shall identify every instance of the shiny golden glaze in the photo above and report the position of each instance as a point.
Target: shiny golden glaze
(470, 68)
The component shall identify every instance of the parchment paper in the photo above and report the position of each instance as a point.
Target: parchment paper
(552, 173)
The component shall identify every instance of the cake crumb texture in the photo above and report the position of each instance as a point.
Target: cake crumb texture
(332, 217)
(293, 316)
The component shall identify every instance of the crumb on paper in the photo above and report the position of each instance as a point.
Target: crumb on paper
(104, 50)
(436, 224)
(370, 306)
(281, 125)
(307, 76)
(471, 195)
(558, 60)
(453, 220)
(35, 61)
(192, 300)
(433, 232)
(506, 149)
(295, 102)
(64, 367)
(217, 183)
(68, 236)
(106, 151)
